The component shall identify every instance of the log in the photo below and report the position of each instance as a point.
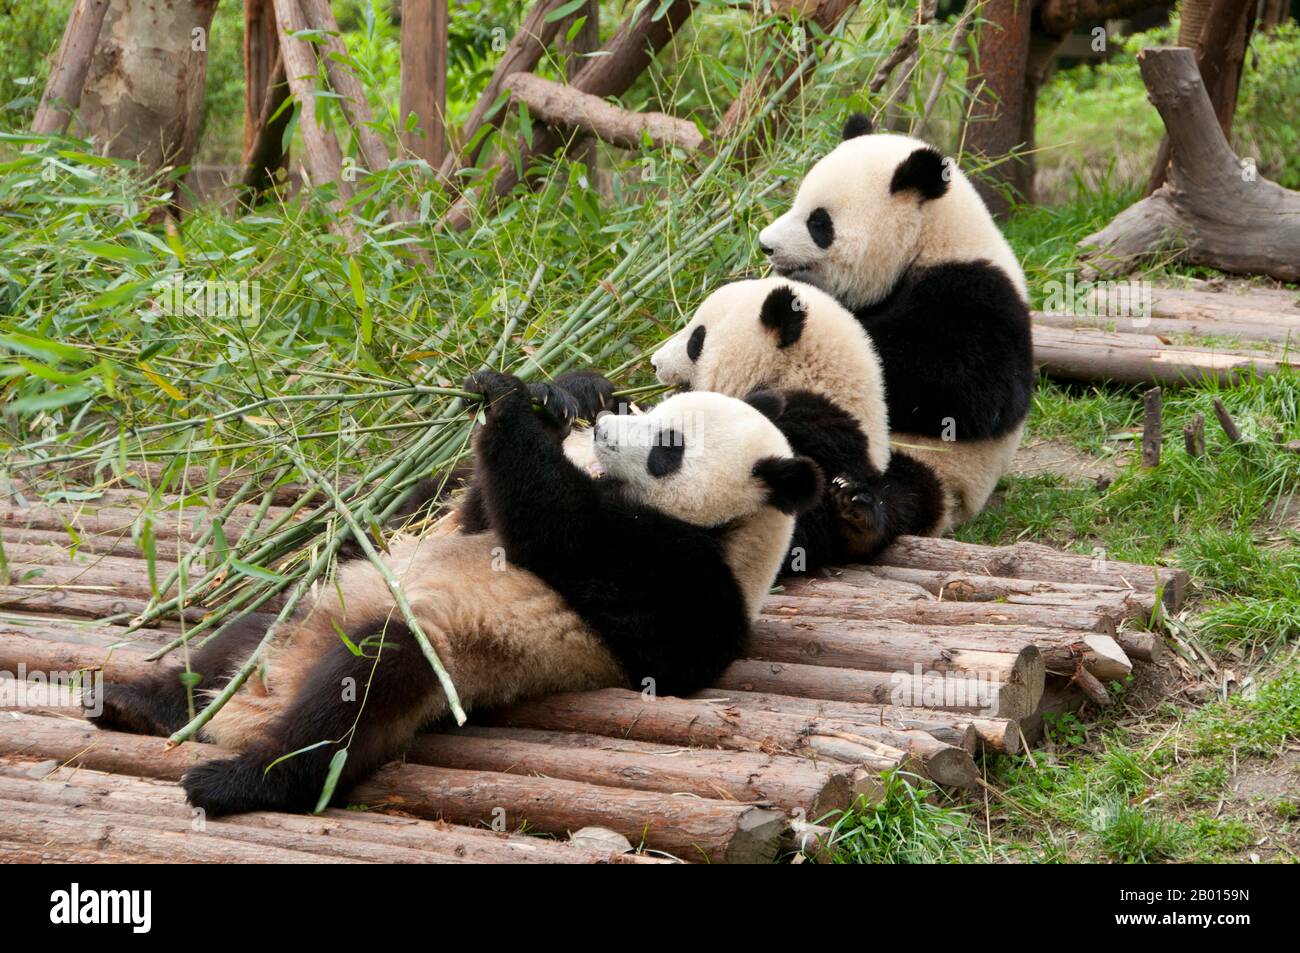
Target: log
(788, 783)
(522, 54)
(852, 603)
(622, 59)
(1118, 604)
(886, 647)
(1152, 428)
(631, 716)
(689, 828)
(993, 734)
(566, 107)
(118, 520)
(47, 656)
(1211, 210)
(1092, 355)
(1000, 700)
(995, 653)
(62, 93)
(1034, 561)
(715, 830)
(1190, 315)
(91, 797)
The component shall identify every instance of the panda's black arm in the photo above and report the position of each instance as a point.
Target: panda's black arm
(542, 505)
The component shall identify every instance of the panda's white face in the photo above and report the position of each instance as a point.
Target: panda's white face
(699, 457)
(849, 231)
(777, 333)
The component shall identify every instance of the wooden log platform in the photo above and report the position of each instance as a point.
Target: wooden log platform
(1165, 335)
(923, 663)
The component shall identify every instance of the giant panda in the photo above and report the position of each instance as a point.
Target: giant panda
(780, 336)
(898, 235)
(652, 572)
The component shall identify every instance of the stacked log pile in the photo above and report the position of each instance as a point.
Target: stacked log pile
(922, 663)
(1249, 331)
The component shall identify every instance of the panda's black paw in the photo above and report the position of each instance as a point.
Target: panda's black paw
(125, 707)
(556, 406)
(497, 388)
(860, 516)
(237, 785)
(590, 391)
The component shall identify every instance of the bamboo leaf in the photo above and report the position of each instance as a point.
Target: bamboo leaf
(332, 779)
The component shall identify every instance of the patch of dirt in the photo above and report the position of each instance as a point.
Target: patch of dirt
(1259, 793)
(1276, 524)
(1064, 460)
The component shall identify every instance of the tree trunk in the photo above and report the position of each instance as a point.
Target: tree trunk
(62, 93)
(424, 79)
(1212, 210)
(265, 91)
(1219, 31)
(997, 85)
(143, 96)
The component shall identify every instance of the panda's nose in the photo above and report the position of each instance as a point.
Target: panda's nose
(766, 250)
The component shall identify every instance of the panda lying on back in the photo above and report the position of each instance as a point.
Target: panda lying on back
(653, 572)
(780, 336)
(898, 235)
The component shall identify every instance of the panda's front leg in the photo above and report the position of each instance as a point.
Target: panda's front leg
(542, 505)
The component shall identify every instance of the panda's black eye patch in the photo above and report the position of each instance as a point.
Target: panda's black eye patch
(821, 228)
(666, 455)
(696, 344)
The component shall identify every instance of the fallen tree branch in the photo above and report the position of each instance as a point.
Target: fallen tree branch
(559, 105)
(620, 61)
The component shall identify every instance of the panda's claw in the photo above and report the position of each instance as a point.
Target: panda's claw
(860, 516)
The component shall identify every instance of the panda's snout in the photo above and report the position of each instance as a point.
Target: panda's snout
(766, 249)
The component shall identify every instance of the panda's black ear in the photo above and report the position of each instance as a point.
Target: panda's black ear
(769, 403)
(794, 484)
(783, 313)
(925, 170)
(858, 124)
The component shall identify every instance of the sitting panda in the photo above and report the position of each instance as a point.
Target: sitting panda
(773, 335)
(654, 571)
(898, 235)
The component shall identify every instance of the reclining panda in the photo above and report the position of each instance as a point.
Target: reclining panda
(898, 235)
(654, 571)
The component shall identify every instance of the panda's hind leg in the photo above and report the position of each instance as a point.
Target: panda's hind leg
(907, 499)
(159, 703)
(371, 704)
